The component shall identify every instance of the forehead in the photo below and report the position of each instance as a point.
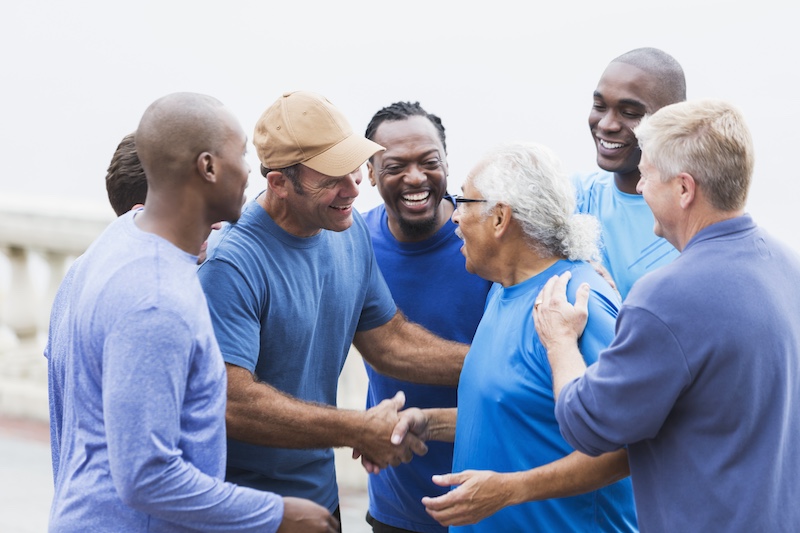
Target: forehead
(410, 137)
(624, 83)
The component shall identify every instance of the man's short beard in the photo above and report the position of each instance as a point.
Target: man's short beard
(418, 229)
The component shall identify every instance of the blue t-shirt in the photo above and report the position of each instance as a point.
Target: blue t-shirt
(702, 383)
(506, 419)
(630, 249)
(431, 287)
(142, 383)
(286, 308)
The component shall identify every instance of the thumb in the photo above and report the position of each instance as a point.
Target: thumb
(399, 399)
(446, 480)
(582, 298)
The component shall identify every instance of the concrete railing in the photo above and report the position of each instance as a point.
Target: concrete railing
(39, 238)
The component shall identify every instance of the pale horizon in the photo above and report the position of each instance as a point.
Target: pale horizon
(79, 75)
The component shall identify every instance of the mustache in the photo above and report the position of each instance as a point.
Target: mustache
(459, 234)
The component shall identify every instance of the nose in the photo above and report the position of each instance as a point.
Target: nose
(640, 185)
(415, 176)
(456, 216)
(350, 184)
(608, 121)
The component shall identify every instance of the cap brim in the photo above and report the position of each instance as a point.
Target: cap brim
(345, 156)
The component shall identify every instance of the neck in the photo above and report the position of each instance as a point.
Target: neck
(701, 222)
(174, 222)
(627, 182)
(521, 263)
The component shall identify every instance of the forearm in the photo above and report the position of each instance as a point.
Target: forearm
(259, 414)
(407, 351)
(569, 476)
(566, 364)
(441, 424)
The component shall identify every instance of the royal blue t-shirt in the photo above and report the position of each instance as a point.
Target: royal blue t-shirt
(432, 287)
(506, 420)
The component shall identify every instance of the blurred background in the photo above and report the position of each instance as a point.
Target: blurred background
(77, 76)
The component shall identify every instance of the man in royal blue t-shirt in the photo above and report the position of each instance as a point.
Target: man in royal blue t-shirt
(418, 253)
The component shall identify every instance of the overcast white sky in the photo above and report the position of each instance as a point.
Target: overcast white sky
(76, 76)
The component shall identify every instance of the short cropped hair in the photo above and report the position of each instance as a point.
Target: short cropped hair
(707, 139)
(126, 183)
(403, 111)
(292, 173)
(672, 86)
(529, 178)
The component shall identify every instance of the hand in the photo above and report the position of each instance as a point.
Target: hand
(480, 493)
(412, 421)
(301, 516)
(556, 320)
(379, 447)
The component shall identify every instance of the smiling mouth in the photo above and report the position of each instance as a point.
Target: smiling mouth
(342, 207)
(416, 198)
(610, 145)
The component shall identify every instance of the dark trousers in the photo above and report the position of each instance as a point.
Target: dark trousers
(380, 527)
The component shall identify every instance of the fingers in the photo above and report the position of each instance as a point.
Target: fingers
(417, 445)
(401, 429)
(369, 466)
(582, 298)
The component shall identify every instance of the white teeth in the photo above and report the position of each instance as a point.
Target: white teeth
(341, 207)
(416, 198)
(606, 144)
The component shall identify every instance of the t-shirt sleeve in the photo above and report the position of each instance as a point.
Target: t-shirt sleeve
(627, 395)
(146, 364)
(599, 331)
(235, 312)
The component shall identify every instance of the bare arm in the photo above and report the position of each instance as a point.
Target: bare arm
(260, 414)
(481, 493)
(426, 424)
(407, 351)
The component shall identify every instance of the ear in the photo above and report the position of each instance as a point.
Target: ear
(206, 167)
(501, 219)
(278, 183)
(371, 173)
(688, 189)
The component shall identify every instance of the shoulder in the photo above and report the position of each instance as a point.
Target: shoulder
(374, 216)
(594, 179)
(601, 291)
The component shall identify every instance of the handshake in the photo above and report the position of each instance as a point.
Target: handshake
(390, 435)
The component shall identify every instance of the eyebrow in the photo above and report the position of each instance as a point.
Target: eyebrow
(623, 101)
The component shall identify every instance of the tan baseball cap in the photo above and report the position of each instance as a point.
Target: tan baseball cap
(304, 127)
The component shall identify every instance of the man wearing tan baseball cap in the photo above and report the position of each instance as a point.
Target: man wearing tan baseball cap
(290, 287)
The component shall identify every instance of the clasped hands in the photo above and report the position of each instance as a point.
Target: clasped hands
(391, 436)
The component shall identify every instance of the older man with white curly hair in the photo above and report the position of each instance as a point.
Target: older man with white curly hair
(514, 471)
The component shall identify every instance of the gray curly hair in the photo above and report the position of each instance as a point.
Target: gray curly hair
(528, 177)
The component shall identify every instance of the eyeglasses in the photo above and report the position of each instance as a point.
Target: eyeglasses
(462, 200)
